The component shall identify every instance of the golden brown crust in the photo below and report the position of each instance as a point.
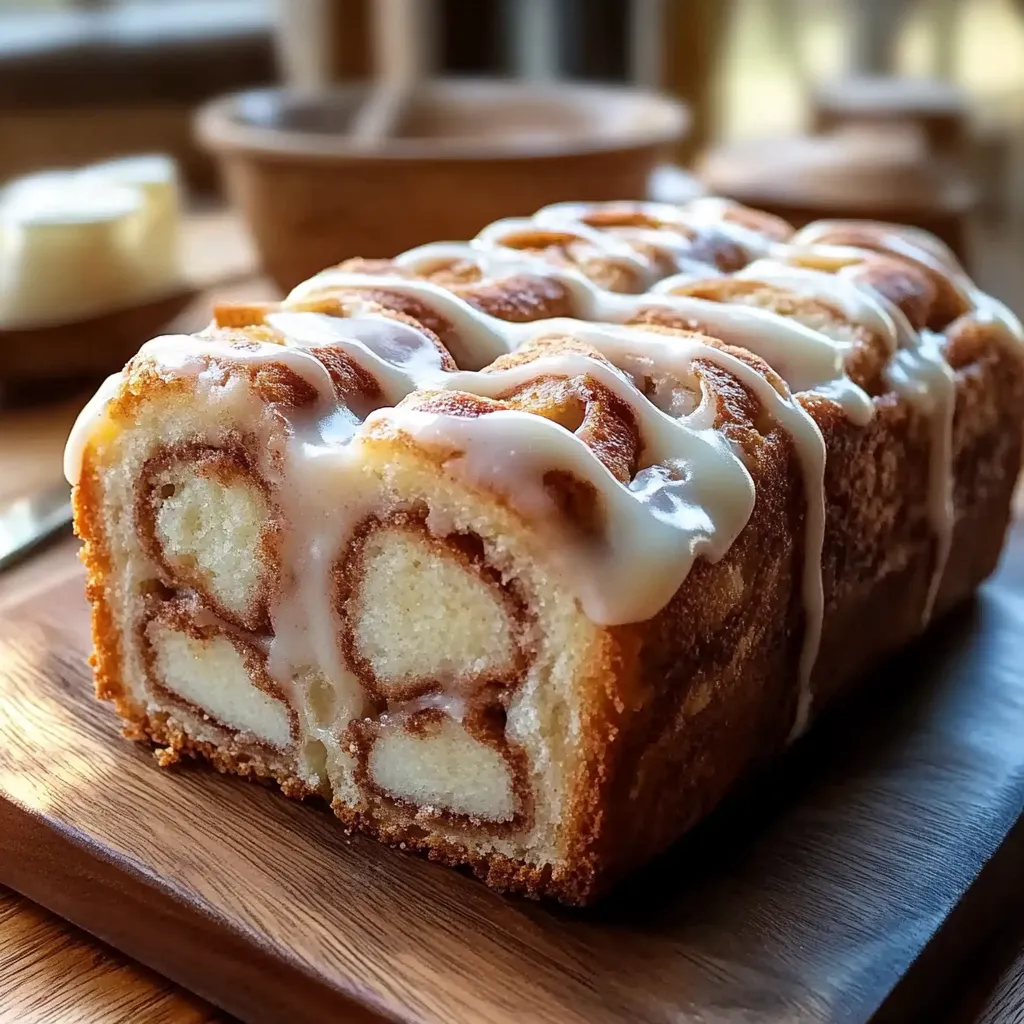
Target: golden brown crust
(907, 286)
(522, 298)
(767, 224)
(241, 322)
(242, 314)
(581, 404)
(563, 248)
(87, 501)
(946, 304)
(518, 298)
(704, 245)
(868, 354)
(353, 384)
(596, 415)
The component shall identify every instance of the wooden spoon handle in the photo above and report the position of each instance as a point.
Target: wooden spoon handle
(378, 118)
(402, 55)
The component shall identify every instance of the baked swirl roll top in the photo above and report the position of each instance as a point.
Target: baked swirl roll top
(524, 549)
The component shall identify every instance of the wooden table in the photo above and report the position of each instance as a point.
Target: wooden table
(52, 971)
(995, 995)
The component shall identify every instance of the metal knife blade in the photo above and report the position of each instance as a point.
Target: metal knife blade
(26, 523)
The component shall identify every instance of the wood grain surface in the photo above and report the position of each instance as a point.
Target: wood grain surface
(993, 987)
(50, 972)
(852, 882)
(1005, 1002)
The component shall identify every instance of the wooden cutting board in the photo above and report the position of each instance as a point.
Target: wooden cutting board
(849, 884)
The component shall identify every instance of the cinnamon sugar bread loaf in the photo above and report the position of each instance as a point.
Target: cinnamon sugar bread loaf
(522, 551)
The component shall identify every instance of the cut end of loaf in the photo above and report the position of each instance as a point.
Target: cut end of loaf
(434, 716)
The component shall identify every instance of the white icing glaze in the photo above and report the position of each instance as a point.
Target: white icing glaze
(899, 238)
(195, 356)
(481, 343)
(712, 210)
(916, 370)
(668, 353)
(700, 215)
(91, 416)
(673, 246)
(683, 521)
(691, 496)
(206, 359)
(321, 515)
(922, 376)
(493, 261)
(857, 304)
(399, 356)
(927, 250)
(805, 358)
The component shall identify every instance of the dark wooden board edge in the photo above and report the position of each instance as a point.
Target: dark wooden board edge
(995, 897)
(993, 987)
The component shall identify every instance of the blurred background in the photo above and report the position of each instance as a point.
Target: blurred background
(778, 91)
(296, 133)
(81, 79)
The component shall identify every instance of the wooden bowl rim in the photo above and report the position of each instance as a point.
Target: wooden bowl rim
(220, 128)
(956, 199)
